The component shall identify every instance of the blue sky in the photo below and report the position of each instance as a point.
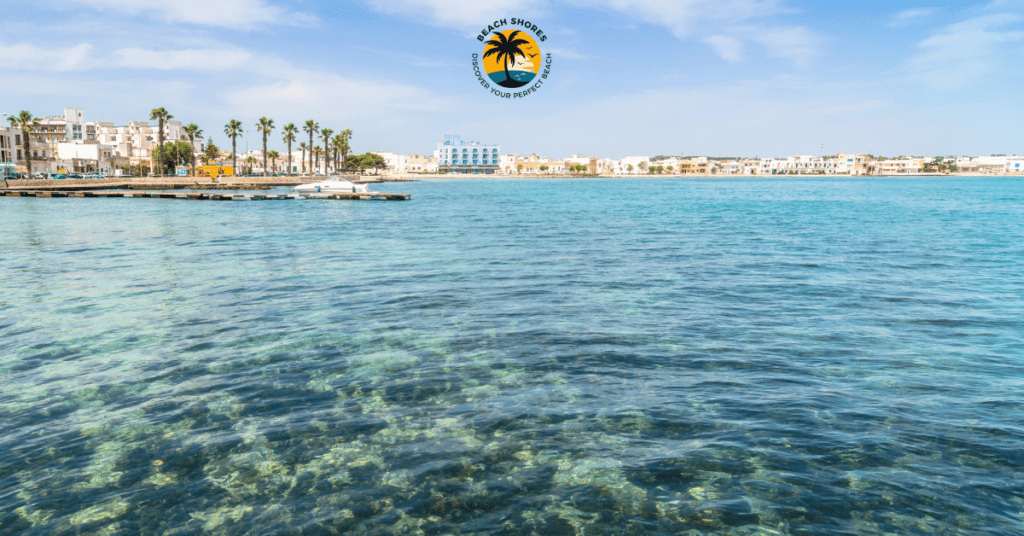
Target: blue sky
(630, 77)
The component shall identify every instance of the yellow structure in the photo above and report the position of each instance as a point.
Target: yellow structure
(215, 171)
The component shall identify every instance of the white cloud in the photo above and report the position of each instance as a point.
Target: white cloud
(854, 107)
(244, 14)
(725, 25)
(905, 17)
(795, 43)
(962, 52)
(564, 53)
(466, 15)
(188, 59)
(792, 42)
(35, 58)
(318, 94)
(729, 48)
(683, 17)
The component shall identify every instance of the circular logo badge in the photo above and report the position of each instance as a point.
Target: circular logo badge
(511, 64)
(512, 58)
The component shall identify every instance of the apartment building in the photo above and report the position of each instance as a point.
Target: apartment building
(457, 156)
(899, 166)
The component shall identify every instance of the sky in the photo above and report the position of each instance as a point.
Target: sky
(629, 77)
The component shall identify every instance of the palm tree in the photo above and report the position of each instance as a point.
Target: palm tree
(336, 144)
(233, 129)
(273, 159)
(288, 137)
(507, 49)
(303, 146)
(316, 152)
(347, 134)
(265, 126)
(312, 128)
(250, 160)
(160, 115)
(26, 123)
(193, 132)
(325, 135)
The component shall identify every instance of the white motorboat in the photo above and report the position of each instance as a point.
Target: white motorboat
(333, 185)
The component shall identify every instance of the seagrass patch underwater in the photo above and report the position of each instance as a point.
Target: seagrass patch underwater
(538, 357)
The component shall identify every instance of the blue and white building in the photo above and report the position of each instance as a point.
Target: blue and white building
(457, 156)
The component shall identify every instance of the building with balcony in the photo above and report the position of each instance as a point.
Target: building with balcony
(457, 156)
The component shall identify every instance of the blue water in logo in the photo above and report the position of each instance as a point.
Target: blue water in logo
(519, 76)
(760, 356)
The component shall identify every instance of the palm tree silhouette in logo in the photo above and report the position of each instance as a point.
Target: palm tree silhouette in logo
(507, 49)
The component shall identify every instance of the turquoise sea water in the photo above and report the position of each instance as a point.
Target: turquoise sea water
(519, 76)
(748, 357)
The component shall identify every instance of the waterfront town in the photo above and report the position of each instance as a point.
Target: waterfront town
(66, 145)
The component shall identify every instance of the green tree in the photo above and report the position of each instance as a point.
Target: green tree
(274, 155)
(288, 137)
(250, 160)
(210, 154)
(312, 128)
(233, 129)
(374, 162)
(160, 115)
(629, 167)
(505, 49)
(544, 168)
(303, 147)
(265, 126)
(366, 161)
(193, 132)
(27, 124)
(670, 169)
(325, 135)
(172, 153)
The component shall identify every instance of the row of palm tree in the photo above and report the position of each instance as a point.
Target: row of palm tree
(335, 149)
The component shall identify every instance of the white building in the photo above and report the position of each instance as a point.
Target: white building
(9, 150)
(634, 165)
(1015, 164)
(85, 156)
(899, 166)
(457, 156)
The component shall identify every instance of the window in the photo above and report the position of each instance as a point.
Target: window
(17, 140)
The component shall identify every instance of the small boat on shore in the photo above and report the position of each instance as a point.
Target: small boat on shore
(333, 185)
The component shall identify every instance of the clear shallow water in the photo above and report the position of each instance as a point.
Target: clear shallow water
(519, 357)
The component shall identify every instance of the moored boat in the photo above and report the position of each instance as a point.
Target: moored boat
(333, 185)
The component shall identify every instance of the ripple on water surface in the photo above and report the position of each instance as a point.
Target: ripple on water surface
(519, 357)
